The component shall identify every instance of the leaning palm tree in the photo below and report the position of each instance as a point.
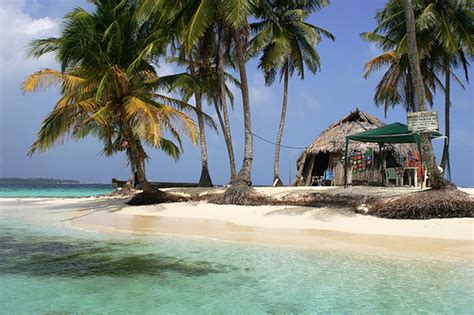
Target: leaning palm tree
(287, 43)
(109, 85)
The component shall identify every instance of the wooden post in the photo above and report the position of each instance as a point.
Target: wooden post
(296, 181)
(307, 177)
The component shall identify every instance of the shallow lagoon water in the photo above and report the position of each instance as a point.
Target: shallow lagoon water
(53, 190)
(46, 266)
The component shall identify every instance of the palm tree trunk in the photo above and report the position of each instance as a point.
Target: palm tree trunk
(447, 113)
(136, 155)
(205, 179)
(276, 166)
(225, 124)
(228, 141)
(132, 181)
(244, 175)
(139, 165)
(437, 180)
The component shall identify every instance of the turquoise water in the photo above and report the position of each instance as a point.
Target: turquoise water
(48, 267)
(53, 190)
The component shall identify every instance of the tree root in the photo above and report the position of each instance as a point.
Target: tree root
(439, 203)
(430, 204)
(325, 200)
(240, 194)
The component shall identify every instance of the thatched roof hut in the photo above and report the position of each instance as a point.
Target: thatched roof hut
(333, 138)
(326, 151)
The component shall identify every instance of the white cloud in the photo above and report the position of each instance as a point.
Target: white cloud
(168, 69)
(17, 29)
(260, 94)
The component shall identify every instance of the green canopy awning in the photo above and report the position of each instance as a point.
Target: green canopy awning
(393, 133)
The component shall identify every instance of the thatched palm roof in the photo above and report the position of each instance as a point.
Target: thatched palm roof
(333, 138)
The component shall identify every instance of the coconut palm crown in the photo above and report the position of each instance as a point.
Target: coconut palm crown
(109, 83)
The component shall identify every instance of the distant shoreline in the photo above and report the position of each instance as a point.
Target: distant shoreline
(38, 181)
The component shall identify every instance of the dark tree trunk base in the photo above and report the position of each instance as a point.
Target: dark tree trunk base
(442, 184)
(240, 193)
(429, 204)
(205, 179)
(155, 197)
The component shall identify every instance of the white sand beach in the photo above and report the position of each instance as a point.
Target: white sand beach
(279, 225)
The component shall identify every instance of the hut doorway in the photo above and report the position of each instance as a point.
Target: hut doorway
(321, 163)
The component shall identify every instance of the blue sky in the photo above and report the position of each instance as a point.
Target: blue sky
(313, 104)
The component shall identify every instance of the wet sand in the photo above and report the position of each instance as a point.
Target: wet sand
(399, 246)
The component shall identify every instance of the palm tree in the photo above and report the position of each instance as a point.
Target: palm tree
(223, 44)
(451, 61)
(451, 25)
(395, 86)
(235, 22)
(286, 43)
(202, 64)
(444, 36)
(189, 22)
(437, 180)
(109, 84)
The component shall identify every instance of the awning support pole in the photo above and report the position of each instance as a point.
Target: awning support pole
(381, 162)
(345, 163)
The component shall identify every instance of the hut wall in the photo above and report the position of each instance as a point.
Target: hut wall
(371, 175)
(339, 174)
